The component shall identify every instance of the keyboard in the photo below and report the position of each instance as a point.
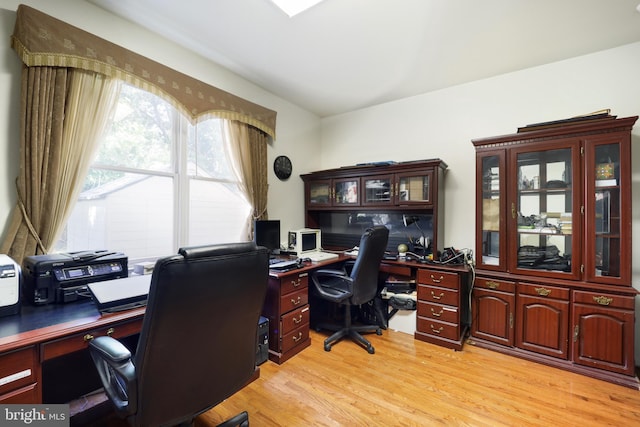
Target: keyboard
(284, 265)
(320, 256)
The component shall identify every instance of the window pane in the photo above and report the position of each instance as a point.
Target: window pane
(132, 214)
(141, 133)
(206, 153)
(217, 213)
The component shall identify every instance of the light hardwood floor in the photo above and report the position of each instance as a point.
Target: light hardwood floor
(412, 383)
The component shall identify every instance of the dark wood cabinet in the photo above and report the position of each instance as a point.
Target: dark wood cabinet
(287, 308)
(553, 218)
(442, 305)
(542, 319)
(343, 202)
(493, 310)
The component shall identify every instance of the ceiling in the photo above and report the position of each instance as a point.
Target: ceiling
(343, 55)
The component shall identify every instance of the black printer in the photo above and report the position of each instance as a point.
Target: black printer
(61, 277)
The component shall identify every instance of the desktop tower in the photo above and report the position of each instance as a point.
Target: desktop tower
(263, 341)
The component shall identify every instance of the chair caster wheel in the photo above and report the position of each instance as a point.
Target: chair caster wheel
(327, 347)
(371, 350)
(378, 331)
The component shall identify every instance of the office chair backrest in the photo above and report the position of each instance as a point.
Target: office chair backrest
(365, 270)
(198, 340)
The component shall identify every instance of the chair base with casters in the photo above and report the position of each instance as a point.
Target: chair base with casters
(348, 329)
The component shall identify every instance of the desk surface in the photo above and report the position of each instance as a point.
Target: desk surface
(39, 323)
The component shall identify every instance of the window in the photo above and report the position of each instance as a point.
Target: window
(157, 183)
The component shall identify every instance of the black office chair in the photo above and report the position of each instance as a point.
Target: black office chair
(198, 340)
(352, 289)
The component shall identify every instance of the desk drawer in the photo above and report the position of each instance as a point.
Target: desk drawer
(66, 345)
(438, 295)
(295, 319)
(438, 329)
(294, 283)
(17, 369)
(295, 337)
(438, 312)
(29, 394)
(442, 279)
(294, 300)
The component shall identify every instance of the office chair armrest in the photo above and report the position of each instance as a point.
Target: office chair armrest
(117, 373)
(333, 285)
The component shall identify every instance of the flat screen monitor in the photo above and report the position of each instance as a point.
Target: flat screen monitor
(267, 233)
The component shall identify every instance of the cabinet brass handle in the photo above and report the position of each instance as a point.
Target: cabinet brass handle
(543, 292)
(298, 320)
(298, 338)
(110, 331)
(434, 280)
(602, 300)
(576, 332)
(513, 211)
(493, 285)
(434, 314)
(436, 331)
(88, 337)
(296, 302)
(437, 296)
(296, 283)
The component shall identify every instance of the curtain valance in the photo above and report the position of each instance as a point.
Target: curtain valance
(42, 40)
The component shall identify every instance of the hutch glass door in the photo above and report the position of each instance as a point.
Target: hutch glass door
(490, 206)
(544, 210)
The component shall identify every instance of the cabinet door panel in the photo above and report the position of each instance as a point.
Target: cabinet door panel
(607, 209)
(603, 338)
(542, 325)
(493, 316)
(545, 210)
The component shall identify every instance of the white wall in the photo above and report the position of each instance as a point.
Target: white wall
(441, 124)
(297, 131)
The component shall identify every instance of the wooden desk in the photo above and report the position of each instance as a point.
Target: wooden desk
(442, 306)
(34, 344)
(287, 308)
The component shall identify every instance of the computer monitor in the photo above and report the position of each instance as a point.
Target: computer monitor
(267, 233)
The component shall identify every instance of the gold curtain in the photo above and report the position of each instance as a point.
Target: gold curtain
(248, 148)
(63, 113)
(42, 40)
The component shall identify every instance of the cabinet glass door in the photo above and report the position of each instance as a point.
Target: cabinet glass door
(544, 209)
(414, 188)
(490, 207)
(378, 190)
(319, 193)
(605, 256)
(346, 192)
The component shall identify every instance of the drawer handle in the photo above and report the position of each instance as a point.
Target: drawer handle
(434, 280)
(296, 302)
(602, 300)
(434, 314)
(437, 296)
(88, 337)
(296, 283)
(298, 320)
(298, 338)
(493, 285)
(543, 292)
(110, 331)
(436, 331)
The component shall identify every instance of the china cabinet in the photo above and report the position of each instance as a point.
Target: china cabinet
(553, 246)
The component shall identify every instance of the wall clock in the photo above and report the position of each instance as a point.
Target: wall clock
(282, 167)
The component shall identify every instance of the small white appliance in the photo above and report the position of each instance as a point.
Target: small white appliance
(10, 282)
